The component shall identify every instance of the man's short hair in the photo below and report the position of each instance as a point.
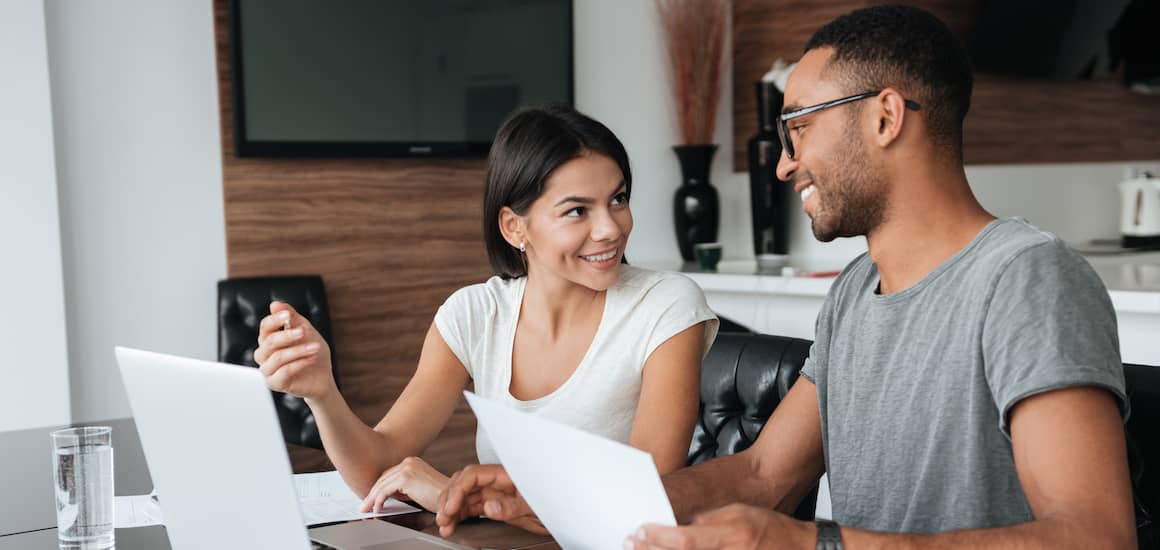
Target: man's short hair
(909, 49)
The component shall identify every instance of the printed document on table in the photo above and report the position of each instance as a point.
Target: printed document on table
(322, 497)
(325, 498)
(136, 511)
(590, 492)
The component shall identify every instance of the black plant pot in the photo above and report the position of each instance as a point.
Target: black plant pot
(695, 205)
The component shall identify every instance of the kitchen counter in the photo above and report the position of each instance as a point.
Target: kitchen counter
(1133, 280)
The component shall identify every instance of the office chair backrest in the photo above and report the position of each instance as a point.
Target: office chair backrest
(743, 378)
(1143, 383)
(242, 302)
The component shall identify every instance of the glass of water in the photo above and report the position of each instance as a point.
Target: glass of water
(83, 477)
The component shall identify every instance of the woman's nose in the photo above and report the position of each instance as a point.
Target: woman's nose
(605, 227)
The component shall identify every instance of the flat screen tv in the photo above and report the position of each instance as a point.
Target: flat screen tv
(391, 78)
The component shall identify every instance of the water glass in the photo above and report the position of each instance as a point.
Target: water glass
(83, 477)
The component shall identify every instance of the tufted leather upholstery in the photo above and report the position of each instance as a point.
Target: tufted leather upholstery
(743, 378)
(1143, 384)
(242, 302)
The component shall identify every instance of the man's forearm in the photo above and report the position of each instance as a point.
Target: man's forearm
(1040, 534)
(730, 479)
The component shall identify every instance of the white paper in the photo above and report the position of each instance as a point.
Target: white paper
(322, 497)
(590, 492)
(325, 498)
(136, 511)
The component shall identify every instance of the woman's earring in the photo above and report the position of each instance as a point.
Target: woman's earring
(523, 248)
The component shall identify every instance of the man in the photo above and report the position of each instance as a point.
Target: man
(964, 388)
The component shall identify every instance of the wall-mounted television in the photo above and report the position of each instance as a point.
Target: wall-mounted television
(1063, 39)
(391, 78)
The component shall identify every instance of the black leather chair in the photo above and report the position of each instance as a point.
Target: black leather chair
(242, 302)
(1143, 383)
(743, 378)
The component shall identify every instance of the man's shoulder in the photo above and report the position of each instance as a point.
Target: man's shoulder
(1014, 245)
(1009, 238)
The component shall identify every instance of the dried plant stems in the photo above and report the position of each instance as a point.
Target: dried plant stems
(695, 38)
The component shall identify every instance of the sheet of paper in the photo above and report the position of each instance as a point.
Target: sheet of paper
(136, 511)
(588, 491)
(322, 497)
(325, 498)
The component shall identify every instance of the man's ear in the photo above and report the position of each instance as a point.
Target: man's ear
(511, 225)
(890, 113)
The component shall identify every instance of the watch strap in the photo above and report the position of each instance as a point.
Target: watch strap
(829, 535)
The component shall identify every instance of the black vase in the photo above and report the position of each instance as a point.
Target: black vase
(769, 197)
(695, 204)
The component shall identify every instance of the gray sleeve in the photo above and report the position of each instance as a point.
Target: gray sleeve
(817, 361)
(1049, 325)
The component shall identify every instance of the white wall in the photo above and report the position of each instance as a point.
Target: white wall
(134, 94)
(32, 326)
(621, 81)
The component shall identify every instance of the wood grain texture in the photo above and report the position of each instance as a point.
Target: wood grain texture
(391, 239)
(1010, 121)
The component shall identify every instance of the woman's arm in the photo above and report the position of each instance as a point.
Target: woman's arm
(360, 453)
(669, 398)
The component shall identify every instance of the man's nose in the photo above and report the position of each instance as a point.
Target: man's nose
(785, 167)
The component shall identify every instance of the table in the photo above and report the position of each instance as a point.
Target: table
(28, 510)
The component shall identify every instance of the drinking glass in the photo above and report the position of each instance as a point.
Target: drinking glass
(83, 478)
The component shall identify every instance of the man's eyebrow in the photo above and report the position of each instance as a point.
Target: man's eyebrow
(790, 108)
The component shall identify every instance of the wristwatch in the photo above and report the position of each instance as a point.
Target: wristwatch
(829, 536)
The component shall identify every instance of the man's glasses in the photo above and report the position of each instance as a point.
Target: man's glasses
(783, 127)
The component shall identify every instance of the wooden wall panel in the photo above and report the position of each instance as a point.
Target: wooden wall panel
(391, 239)
(1010, 121)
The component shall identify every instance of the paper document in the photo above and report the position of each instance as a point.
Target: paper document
(325, 498)
(322, 497)
(136, 511)
(590, 492)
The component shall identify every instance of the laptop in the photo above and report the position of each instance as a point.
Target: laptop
(219, 466)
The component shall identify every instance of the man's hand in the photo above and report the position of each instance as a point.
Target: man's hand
(484, 489)
(736, 526)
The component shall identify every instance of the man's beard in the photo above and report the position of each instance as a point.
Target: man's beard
(854, 201)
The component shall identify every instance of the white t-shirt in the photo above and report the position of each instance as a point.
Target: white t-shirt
(643, 310)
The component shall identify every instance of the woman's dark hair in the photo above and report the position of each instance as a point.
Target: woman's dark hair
(530, 145)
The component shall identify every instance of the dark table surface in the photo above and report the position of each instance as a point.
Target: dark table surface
(28, 511)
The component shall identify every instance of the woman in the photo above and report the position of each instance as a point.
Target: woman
(564, 329)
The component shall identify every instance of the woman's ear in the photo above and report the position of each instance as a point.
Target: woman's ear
(511, 225)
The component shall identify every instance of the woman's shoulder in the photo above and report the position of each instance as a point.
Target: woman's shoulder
(648, 284)
(488, 296)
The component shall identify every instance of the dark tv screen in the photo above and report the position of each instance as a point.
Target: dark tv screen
(390, 78)
(1045, 39)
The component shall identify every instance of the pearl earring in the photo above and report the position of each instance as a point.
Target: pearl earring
(522, 247)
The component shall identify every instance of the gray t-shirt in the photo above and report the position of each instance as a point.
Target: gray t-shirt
(915, 387)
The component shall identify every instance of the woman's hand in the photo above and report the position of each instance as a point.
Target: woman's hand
(484, 489)
(293, 355)
(412, 479)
